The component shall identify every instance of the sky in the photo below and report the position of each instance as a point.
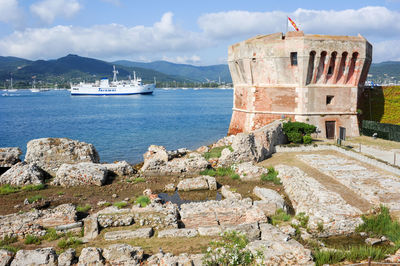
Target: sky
(183, 31)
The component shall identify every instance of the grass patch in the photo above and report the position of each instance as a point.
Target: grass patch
(120, 204)
(381, 225)
(303, 219)
(10, 248)
(221, 171)
(136, 180)
(31, 239)
(85, 208)
(8, 240)
(51, 235)
(271, 176)
(34, 199)
(70, 242)
(143, 201)
(279, 217)
(33, 187)
(215, 152)
(8, 189)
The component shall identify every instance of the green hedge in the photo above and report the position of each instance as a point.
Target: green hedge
(384, 131)
(296, 131)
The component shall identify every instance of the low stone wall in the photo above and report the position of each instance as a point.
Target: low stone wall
(352, 154)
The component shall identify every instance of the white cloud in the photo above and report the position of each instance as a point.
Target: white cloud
(194, 59)
(387, 51)
(48, 10)
(101, 41)
(369, 21)
(10, 11)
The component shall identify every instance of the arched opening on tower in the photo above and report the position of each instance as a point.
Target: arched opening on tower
(351, 76)
(331, 67)
(310, 70)
(342, 67)
(321, 66)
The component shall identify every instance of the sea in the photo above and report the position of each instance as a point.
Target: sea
(120, 127)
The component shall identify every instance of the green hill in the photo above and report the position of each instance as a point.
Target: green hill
(385, 72)
(198, 73)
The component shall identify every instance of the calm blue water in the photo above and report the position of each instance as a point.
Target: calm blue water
(120, 127)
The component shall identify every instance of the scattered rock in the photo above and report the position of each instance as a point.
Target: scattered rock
(127, 234)
(115, 219)
(6, 257)
(304, 234)
(224, 212)
(203, 149)
(158, 161)
(123, 254)
(288, 230)
(248, 171)
(41, 256)
(50, 153)
(279, 249)
(395, 258)
(324, 207)
(80, 174)
(251, 230)
(60, 215)
(170, 187)
(22, 174)
(67, 258)
(9, 156)
(91, 228)
(170, 259)
(373, 241)
(91, 256)
(102, 203)
(270, 202)
(178, 233)
(120, 168)
(210, 231)
(198, 183)
(67, 227)
(114, 196)
(147, 192)
(227, 193)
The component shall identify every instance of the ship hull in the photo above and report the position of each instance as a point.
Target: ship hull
(112, 91)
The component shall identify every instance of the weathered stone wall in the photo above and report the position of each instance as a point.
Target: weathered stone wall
(294, 75)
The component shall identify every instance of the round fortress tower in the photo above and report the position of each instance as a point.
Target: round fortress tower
(309, 78)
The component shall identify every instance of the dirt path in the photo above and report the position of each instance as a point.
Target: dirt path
(331, 184)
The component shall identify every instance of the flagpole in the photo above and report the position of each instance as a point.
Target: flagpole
(287, 18)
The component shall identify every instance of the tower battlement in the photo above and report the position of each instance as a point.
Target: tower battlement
(309, 78)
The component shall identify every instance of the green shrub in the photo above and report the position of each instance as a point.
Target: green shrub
(329, 257)
(295, 137)
(10, 248)
(60, 193)
(33, 187)
(271, 176)
(7, 189)
(143, 201)
(381, 225)
(307, 139)
(234, 176)
(31, 239)
(210, 172)
(296, 130)
(85, 208)
(215, 152)
(279, 217)
(230, 250)
(70, 242)
(120, 204)
(320, 226)
(34, 198)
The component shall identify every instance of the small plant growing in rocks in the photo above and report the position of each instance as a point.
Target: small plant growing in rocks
(31, 239)
(143, 201)
(271, 176)
(215, 152)
(70, 242)
(279, 217)
(120, 204)
(136, 180)
(303, 219)
(51, 235)
(85, 208)
(230, 250)
(33, 187)
(34, 199)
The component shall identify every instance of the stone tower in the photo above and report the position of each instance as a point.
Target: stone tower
(309, 78)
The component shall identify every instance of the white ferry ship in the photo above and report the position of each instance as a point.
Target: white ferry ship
(115, 87)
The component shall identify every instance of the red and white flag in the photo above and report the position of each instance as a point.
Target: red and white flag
(293, 24)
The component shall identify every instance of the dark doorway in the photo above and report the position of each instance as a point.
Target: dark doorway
(330, 129)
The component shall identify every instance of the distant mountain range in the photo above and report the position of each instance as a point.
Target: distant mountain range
(74, 68)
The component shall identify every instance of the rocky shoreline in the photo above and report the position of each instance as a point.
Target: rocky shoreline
(70, 164)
